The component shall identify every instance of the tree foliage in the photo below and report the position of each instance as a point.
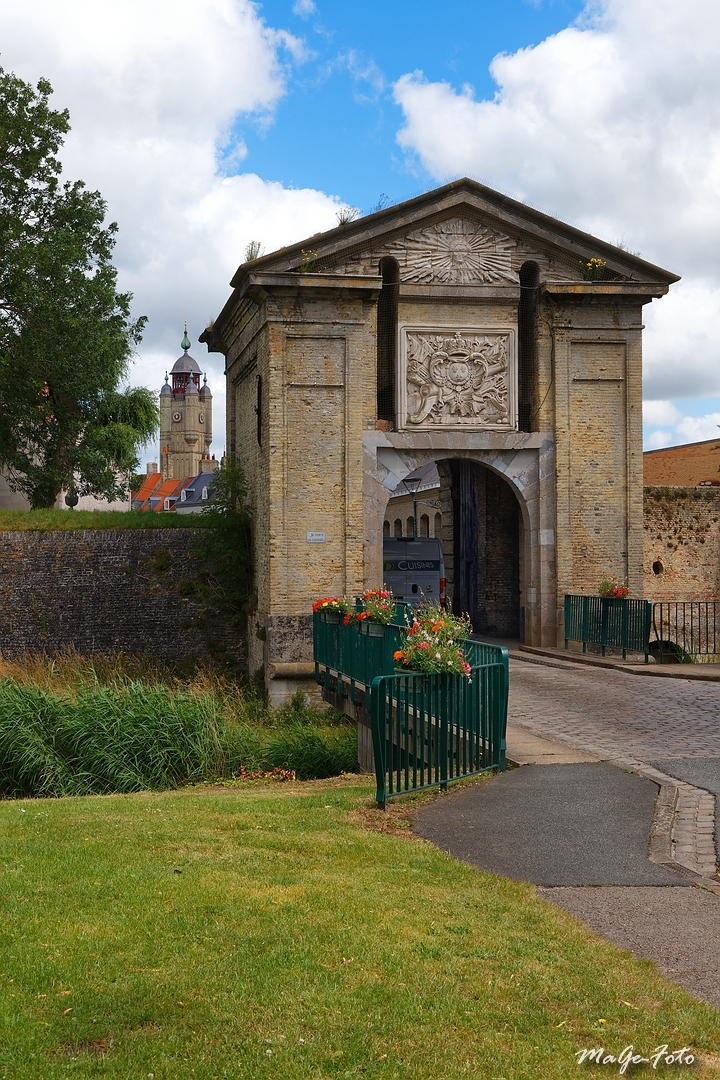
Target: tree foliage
(66, 334)
(226, 548)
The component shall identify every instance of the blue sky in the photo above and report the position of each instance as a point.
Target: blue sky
(209, 123)
(336, 127)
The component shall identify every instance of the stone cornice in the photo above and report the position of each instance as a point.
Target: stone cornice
(598, 289)
(259, 285)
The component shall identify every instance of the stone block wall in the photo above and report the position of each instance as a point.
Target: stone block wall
(598, 401)
(103, 590)
(682, 543)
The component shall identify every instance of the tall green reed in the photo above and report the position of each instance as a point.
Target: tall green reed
(129, 736)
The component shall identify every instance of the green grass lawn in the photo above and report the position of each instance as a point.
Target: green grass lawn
(264, 931)
(58, 520)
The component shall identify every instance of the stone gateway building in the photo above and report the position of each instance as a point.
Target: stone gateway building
(461, 328)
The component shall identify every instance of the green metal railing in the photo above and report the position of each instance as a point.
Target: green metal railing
(685, 630)
(610, 623)
(427, 729)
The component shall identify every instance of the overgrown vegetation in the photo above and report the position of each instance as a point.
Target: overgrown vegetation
(62, 520)
(81, 727)
(226, 577)
(265, 933)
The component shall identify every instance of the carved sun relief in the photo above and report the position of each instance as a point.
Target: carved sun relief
(456, 252)
(458, 379)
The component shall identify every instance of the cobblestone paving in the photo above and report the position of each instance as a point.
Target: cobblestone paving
(615, 715)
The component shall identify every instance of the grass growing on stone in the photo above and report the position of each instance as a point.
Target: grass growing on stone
(263, 932)
(63, 520)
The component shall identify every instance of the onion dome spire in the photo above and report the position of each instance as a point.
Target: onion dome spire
(185, 343)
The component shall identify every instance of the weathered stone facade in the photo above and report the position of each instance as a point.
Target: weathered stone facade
(457, 327)
(682, 543)
(104, 590)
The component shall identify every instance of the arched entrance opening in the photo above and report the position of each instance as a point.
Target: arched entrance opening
(486, 549)
(476, 515)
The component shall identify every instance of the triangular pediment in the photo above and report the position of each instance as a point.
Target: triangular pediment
(461, 234)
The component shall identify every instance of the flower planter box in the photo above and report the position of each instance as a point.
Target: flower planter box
(333, 617)
(373, 629)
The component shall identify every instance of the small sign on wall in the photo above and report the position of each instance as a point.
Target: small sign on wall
(316, 536)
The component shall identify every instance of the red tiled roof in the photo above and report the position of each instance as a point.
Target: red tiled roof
(691, 465)
(168, 489)
(148, 485)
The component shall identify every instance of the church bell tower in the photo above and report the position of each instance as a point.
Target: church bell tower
(185, 418)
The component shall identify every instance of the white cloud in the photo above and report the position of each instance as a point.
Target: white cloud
(304, 8)
(660, 412)
(673, 427)
(614, 124)
(699, 428)
(682, 341)
(153, 88)
(658, 439)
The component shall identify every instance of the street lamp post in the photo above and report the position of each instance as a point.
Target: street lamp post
(412, 483)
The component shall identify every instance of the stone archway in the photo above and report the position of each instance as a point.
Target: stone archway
(512, 543)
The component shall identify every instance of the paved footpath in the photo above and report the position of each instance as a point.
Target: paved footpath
(570, 821)
(615, 715)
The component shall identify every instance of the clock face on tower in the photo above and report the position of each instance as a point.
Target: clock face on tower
(201, 417)
(177, 417)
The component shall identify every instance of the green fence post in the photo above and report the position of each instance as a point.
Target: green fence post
(442, 719)
(377, 722)
(566, 618)
(501, 707)
(648, 624)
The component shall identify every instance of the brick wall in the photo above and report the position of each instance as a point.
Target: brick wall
(105, 590)
(682, 543)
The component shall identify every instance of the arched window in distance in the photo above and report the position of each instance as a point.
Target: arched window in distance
(527, 348)
(387, 318)
(424, 525)
(397, 527)
(438, 525)
(386, 527)
(410, 527)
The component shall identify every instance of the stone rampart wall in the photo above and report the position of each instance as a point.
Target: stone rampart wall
(682, 543)
(102, 590)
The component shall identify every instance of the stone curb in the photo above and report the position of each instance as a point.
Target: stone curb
(683, 828)
(693, 672)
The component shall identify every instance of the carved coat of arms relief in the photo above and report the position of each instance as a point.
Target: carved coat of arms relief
(457, 379)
